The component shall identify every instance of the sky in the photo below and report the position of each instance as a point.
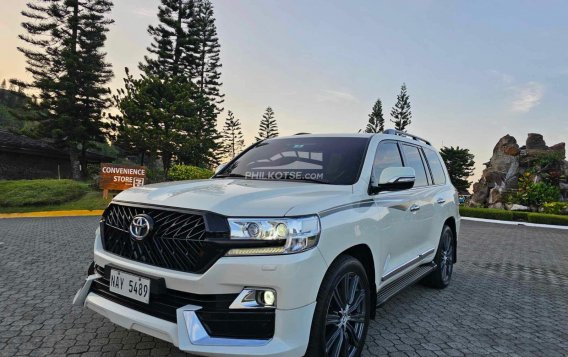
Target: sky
(475, 70)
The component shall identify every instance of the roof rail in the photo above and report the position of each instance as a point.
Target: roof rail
(302, 134)
(408, 135)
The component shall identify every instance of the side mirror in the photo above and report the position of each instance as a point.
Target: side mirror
(395, 179)
(219, 168)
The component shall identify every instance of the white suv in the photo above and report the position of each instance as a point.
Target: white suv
(285, 251)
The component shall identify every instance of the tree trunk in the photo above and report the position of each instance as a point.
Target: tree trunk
(83, 168)
(75, 163)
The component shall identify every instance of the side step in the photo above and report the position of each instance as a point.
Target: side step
(393, 288)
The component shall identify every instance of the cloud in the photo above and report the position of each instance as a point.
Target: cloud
(328, 95)
(503, 77)
(527, 96)
(146, 12)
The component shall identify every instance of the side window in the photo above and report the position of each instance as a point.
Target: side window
(435, 167)
(387, 156)
(414, 160)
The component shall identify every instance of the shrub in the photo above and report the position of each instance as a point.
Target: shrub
(489, 213)
(555, 208)
(534, 194)
(520, 216)
(40, 192)
(185, 172)
(548, 219)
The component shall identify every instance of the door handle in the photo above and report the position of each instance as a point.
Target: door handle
(414, 208)
(440, 201)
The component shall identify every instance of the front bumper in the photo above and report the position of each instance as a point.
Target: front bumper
(295, 278)
(291, 331)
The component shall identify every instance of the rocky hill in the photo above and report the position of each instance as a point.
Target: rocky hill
(511, 161)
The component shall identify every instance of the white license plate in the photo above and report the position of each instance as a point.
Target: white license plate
(129, 285)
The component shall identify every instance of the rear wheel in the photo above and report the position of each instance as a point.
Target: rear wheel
(440, 278)
(342, 314)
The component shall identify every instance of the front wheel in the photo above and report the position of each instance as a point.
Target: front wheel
(440, 278)
(341, 317)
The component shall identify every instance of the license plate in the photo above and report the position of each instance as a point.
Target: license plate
(130, 285)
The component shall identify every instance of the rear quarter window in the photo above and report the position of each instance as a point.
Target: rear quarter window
(414, 159)
(436, 168)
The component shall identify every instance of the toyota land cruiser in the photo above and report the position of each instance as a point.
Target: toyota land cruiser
(286, 251)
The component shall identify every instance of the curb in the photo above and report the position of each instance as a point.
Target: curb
(73, 213)
(513, 223)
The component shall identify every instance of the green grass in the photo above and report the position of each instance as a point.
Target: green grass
(48, 195)
(40, 192)
(504, 215)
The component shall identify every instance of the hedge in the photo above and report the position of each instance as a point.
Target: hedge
(545, 218)
(185, 172)
(489, 213)
(503, 215)
(18, 193)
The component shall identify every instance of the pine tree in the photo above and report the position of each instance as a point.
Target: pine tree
(172, 41)
(400, 113)
(376, 122)
(3, 85)
(232, 137)
(268, 127)
(185, 47)
(69, 70)
(206, 53)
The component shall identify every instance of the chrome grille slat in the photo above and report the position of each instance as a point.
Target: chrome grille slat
(176, 242)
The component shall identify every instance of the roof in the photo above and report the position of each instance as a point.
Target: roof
(12, 142)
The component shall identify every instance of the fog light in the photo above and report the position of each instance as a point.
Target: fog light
(269, 298)
(255, 298)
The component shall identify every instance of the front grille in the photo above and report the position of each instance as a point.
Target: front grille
(215, 315)
(176, 241)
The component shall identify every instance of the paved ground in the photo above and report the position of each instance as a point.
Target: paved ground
(509, 296)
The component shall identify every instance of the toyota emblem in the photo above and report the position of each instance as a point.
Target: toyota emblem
(141, 226)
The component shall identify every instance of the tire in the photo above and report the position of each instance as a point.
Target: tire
(444, 259)
(343, 309)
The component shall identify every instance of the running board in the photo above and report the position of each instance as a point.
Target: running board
(408, 279)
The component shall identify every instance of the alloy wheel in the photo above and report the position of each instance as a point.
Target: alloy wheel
(345, 320)
(447, 256)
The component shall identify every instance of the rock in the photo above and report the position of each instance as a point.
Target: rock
(516, 207)
(560, 148)
(494, 196)
(536, 141)
(509, 162)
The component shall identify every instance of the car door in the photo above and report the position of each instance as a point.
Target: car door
(421, 209)
(442, 195)
(392, 214)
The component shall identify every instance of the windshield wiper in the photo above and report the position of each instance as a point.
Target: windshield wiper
(229, 175)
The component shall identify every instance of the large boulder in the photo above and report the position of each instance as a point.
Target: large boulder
(536, 141)
(509, 161)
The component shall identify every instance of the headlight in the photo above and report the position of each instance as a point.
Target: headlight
(285, 235)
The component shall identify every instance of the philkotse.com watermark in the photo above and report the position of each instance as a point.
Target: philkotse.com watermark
(283, 175)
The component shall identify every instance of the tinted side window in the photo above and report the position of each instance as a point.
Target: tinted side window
(435, 167)
(414, 160)
(387, 156)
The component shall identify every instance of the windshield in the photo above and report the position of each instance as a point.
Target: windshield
(330, 160)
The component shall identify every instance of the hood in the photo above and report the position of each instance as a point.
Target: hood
(240, 197)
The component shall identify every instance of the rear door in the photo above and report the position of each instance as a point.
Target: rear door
(421, 209)
(442, 195)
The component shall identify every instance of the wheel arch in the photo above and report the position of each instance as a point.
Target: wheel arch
(451, 222)
(363, 253)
